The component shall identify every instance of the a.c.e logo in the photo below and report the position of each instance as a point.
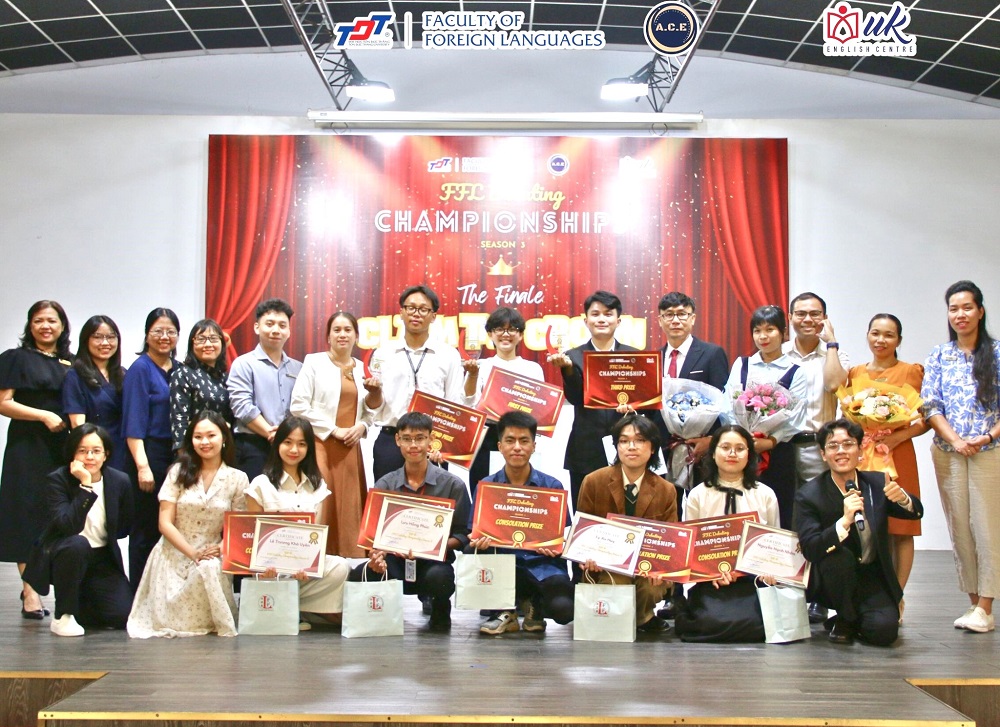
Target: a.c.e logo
(671, 28)
(558, 165)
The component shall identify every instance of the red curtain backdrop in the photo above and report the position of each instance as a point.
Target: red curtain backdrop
(249, 191)
(294, 217)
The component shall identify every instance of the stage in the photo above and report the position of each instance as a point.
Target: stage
(105, 678)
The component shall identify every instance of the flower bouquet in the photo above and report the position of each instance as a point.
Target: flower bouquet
(763, 407)
(690, 408)
(879, 409)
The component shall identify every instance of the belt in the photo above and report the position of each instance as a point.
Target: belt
(804, 438)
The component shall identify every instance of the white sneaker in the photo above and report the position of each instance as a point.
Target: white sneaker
(66, 625)
(960, 621)
(979, 621)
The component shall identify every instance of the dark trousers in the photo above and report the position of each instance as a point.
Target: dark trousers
(89, 585)
(251, 453)
(859, 595)
(780, 477)
(575, 483)
(554, 594)
(480, 468)
(434, 580)
(146, 521)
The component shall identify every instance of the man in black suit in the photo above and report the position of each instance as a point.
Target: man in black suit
(584, 451)
(842, 520)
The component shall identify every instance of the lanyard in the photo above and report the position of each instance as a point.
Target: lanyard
(415, 369)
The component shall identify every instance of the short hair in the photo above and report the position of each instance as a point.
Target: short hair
(710, 469)
(769, 315)
(274, 468)
(218, 369)
(76, 436)
(155, 315)
(423, 290)
(342, 314)
(504, 317)
(674, 299)
(826, 431)
(608, 300)
(62, 343)
(808, 295)
(273, 305)
(646, 429)
(516, 420)
(415, 420)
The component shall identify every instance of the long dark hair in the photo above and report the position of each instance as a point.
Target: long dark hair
(62, 343)
(155, 315)
(274, 468)
(207, 325)
(710, 470)
(984, 364)
(189, 461)
(84, 364)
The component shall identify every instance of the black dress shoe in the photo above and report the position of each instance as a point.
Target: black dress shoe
(425, 604)
(818, 614)
(440, 615)
(34, 615)
(842, 633)
(655, 625)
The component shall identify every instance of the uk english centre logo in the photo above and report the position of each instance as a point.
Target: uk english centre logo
(849, 32)
(671, 28)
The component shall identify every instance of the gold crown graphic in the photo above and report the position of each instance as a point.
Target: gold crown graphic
(501, 267)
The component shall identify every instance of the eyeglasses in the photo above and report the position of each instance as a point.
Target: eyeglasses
(163, 333)
(816, 315)
(635, 442)
(93, 451)
(202, 340)
(417, 310)
(841, 446)
(739, 450)
(681, 316)
(507, 331)
(102, 338)
(419, 439)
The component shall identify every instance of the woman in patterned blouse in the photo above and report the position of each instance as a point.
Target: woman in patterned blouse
(201, 382)
(960, 404)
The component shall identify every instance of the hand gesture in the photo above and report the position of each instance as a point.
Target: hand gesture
(895, 493)
(376, 561)
(826, 333)
(80, 472)
(471, 367)
(481, 543)
(559, 359)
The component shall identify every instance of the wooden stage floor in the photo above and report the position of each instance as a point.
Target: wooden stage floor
(466, 678)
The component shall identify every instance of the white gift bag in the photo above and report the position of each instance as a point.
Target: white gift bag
(269, 607)
(786, 617)
(603, 612)
(485, 581)
(372, 608)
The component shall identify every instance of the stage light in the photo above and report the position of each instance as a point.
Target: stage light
(628, 88)
(358, 86)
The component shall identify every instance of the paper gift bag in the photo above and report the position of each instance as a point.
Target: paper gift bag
(269, 607)
(372, 608)
(484, 581)
(786, 617)
(603, 612)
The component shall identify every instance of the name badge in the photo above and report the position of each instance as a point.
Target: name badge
(410, 575)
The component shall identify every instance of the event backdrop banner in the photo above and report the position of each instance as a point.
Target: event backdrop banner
(536, 223)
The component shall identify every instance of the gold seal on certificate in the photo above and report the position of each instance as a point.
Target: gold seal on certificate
(288, 547)
(767, 551)
(614, 546)
(406, 525)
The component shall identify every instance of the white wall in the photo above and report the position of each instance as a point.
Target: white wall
(107, 214)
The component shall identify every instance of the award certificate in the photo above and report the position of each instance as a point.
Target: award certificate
(288, 547)
(611, 545)
(716, 545)
(405, 526)
(767, 551)
(505, 391)
(373, 509)
(237, 536)
(458, 430)
(666, 548)
(519, 517)
(612, 378)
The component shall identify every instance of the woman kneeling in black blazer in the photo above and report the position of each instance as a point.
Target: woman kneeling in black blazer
(90, 508)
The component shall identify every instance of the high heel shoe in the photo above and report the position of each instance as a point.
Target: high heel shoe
(33, 615)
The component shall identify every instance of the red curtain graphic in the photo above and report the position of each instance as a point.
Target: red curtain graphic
(249, 191)
(346, 223)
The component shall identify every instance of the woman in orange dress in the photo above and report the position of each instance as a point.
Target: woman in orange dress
(885, 333)
(333, 395)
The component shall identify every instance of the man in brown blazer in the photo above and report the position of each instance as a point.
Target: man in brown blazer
(629, 487)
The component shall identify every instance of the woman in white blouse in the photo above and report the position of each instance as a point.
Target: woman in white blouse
(291, 482)
(727, 609)
(332, 393)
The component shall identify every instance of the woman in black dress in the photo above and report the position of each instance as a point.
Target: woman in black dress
(201, 382)
(31, 377)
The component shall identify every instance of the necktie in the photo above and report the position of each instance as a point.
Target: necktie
(672, 368)
(631, 495)
(731, 495)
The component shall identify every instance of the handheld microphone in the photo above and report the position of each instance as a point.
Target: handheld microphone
(859, 518)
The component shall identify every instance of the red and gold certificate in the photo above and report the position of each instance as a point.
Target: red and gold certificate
(666, 547)
(520, 517)
(373, 508)
(716, 546)
(458, 430)
(505, 391)
(237, 536)
(613, 378)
